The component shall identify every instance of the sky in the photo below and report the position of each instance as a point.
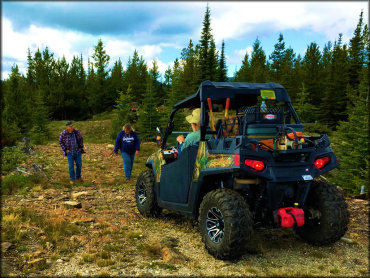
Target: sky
(160, 30)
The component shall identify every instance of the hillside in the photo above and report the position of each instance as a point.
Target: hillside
(107, 236)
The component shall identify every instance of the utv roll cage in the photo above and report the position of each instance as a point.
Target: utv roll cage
(238, 92)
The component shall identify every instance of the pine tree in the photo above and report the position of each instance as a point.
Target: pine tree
(187, 71)
(59, 100)
(91, 87)
(335, 100)
(124, 113)
(16, 105)
(286, 72)
(116, 81)
(222, 69)
(312, 79)
(303, 107)
(77, 89)
(208, 54)
(277, 58)
(149, 118)
(31, 74)
(352, 142)
(205, 41)
(243, 74)
(100, 100)
(297, 78)
(136, 76)
(356, 57)
(40, 118)
(258, 68)
(213, 61)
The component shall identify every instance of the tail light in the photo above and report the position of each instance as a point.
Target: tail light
(237, 160)
(255, 164)
(322, 162)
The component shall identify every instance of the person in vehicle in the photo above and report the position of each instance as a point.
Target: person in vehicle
(193, 137)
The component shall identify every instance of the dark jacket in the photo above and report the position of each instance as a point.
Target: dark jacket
(128, 143)
(65, 140)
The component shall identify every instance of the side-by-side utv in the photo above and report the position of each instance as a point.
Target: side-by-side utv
(252, 167)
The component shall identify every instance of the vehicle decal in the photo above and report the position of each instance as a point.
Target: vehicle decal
(268, 94)
(158, 160)
(205, 160)
(269, 116)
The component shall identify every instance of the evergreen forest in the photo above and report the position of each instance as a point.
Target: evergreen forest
(329, 89)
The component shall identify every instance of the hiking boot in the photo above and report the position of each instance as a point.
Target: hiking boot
(71, 182)
(79, 180)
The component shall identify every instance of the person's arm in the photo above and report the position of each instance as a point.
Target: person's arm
(117, 145)
(137, 143)
(61, 143)
(187, 141)
(80, 140)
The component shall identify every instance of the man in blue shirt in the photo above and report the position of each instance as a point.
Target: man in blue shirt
(193, 137)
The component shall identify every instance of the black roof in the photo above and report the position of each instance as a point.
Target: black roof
(242, 92)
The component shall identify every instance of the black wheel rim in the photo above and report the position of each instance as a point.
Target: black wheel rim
(215, 224)
(141, 194)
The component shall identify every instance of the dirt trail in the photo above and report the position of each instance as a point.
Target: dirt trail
(114, 239)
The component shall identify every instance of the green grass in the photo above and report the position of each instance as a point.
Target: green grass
(104, 262)
(153, 251)
(111, 248)
(160, 265)
(96, 130)
(87, 258)
(13, 183)
(133, 235)
(318, 254)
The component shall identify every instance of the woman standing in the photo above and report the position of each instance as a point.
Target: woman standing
(129, 144)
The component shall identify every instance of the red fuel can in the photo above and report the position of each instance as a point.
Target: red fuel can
(290, 217)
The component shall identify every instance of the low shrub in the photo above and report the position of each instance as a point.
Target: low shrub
(12, 157)
(12, 183)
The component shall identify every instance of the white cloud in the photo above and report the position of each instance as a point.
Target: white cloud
(15, 45)
(240, 53)
(149, 51)
(237, 19)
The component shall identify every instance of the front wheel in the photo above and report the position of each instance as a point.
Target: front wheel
(327, 216)
(225, 223)
(145, 196)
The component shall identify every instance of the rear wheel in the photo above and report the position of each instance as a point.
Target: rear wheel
(145, 196)
(327, 216)
(225, 223)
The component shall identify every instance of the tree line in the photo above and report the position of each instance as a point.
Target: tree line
(328, 88)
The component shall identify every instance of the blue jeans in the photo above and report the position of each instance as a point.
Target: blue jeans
(72, 159)
(128, 163)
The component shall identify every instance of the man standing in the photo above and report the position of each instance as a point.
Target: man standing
(72, 145)
(129, 144)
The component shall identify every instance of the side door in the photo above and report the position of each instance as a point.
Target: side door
(176, 177)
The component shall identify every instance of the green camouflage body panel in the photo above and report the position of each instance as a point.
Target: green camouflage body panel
(205, 160)
(158, 161)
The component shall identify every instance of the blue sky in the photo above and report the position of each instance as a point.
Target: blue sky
(159, 30)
